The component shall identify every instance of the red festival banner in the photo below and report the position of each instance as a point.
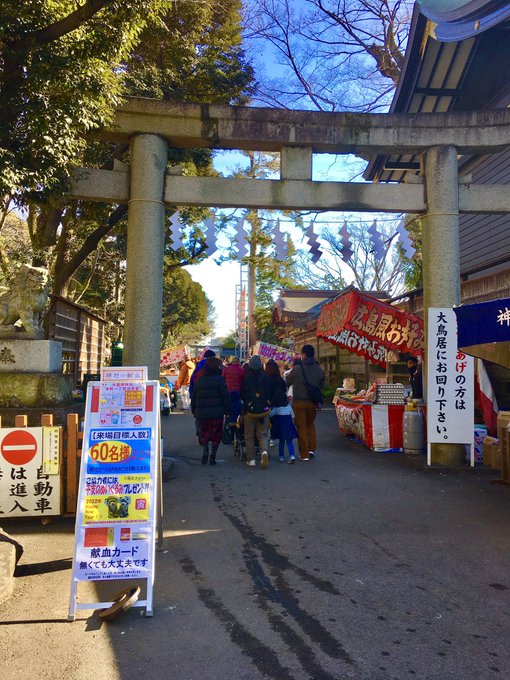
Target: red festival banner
(368, 327)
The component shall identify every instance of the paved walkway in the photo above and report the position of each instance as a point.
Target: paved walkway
(354, 565)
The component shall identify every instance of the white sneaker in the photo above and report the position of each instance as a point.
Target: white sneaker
(264, 459)
(311, 454)
(251, 463)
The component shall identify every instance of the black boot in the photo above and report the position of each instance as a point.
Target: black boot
(205, 454)
(212, 459)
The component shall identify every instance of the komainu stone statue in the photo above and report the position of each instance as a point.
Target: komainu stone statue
(24, 301)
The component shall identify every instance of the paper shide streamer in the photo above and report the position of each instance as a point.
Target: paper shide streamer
(241, 245)
(280, 247)
(175, 232)
(405, 241)
(241, 242)
(313, 243)
(345, 240)
(377, 242)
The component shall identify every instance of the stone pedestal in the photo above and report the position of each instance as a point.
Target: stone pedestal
(31, 380)
(35, 390)
(24, 355)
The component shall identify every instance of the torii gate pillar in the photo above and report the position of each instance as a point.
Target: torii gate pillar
(145, 250)
(441, 254)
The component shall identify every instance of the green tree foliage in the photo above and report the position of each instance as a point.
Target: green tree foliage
(193, 54)
(14, 243)
(64, 69)
(413, 267)
(59, 80)
(229, 341)
(186, 309)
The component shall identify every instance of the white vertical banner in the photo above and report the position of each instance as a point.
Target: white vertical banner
(450, 382)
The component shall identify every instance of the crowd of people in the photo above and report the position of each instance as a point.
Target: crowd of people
(260, 401)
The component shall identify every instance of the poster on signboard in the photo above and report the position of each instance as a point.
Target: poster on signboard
(116, 514)
(30, 482)
(450, 382)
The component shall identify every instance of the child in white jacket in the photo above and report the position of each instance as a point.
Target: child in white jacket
(283, 428)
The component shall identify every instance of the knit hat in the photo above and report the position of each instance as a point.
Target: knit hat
(255, 363)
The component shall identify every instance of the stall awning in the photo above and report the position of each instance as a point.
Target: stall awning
(368, 327)
(484, 330)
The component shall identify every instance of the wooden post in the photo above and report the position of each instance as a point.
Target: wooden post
(20, 421)
(72, 463)
(47, 420)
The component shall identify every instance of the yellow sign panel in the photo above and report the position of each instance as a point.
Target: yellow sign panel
(110, 452)
(51, 450)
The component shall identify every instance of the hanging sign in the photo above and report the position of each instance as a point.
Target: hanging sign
(116, 514)
(366, 326)
(30, 483)
(274, 352)
(450, 382)
(172, 356)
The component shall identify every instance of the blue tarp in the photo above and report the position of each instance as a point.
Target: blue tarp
(483, 322)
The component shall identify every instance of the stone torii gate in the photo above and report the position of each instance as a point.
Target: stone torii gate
(150, 126)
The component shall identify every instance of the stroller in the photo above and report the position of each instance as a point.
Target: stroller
(236, 425)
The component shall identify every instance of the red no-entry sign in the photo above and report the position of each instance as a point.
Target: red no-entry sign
(19, 447)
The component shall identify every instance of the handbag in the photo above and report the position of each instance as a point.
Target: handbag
(226, 435)
(314, 392)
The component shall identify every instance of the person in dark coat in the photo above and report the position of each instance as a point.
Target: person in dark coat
(273, 373)
(415, 377)
(210, 403)
(199, 370)
(257, 391)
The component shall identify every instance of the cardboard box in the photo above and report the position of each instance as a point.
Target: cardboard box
(491, 453)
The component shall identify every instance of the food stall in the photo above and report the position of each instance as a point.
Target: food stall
(373, 329)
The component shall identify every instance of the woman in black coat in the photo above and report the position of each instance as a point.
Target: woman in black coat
(210, 403)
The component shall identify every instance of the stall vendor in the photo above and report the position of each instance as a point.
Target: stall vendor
(415, 377)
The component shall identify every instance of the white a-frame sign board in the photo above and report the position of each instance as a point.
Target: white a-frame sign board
(117, 499)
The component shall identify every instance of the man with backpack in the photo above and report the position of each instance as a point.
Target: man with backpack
(256, 395)
(306, 379)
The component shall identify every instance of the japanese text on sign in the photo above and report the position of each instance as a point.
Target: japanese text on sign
(29, 474)
(450, 385)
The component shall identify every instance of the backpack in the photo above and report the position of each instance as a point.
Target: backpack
(256, 403)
